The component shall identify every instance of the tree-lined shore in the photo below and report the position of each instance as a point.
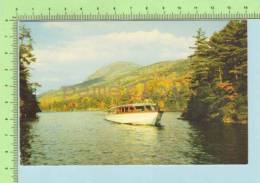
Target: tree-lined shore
(210, 85)
(165, 83)
(218, 87)
(28, 102)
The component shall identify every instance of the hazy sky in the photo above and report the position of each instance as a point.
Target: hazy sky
(68, 52)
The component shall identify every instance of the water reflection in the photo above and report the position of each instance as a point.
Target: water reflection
(227, 143)
(81, 138)
(25, 142)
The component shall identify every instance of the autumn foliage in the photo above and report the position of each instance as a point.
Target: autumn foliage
(219, 76)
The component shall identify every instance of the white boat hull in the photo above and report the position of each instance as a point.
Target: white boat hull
(146, 118)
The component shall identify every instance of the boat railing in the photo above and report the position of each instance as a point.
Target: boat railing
(133, 109)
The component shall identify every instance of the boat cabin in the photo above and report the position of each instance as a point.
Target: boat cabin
(134, 108)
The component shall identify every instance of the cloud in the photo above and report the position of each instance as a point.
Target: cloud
(71, 61)
(68, 52)
(140, 45)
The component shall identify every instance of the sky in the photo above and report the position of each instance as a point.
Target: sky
(68, 52)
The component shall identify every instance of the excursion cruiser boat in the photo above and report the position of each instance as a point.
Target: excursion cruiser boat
(138, 114)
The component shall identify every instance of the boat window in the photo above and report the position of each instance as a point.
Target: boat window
(139, 108)
(131, 109)
(128, 109)
(148, 108)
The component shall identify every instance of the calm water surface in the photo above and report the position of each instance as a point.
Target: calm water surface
(81, 138)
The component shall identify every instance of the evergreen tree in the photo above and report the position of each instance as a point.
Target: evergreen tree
(196, 107)
(28, 104)
(229, 52)
(219, 79)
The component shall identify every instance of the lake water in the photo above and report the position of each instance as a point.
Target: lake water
(83, 138)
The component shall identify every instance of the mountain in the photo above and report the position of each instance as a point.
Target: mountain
(164, 82)
(113, 70)
(106, 73)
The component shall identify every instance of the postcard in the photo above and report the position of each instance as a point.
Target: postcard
(138, 95)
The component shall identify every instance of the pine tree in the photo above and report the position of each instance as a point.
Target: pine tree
(229, 52)
(28, 104)
(199, 78)
(219, 79)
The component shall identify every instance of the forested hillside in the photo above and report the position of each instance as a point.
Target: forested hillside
(105, 74)
(210, 85)
(165, 83)
(219, 76)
